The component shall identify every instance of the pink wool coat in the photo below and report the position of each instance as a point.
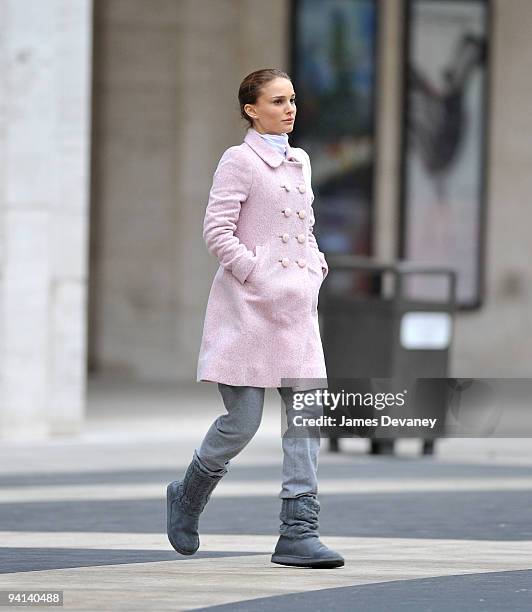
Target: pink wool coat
(261, 322)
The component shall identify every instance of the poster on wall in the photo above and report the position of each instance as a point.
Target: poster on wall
(443, 182)
(333, 69)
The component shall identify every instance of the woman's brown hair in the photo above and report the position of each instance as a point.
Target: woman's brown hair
(251, 86)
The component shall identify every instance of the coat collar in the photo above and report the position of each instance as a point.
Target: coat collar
(266, 151)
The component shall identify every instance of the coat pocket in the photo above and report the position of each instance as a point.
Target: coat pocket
(262, 252)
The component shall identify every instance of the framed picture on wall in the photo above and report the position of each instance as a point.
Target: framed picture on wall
(444, 143)
(333, 67)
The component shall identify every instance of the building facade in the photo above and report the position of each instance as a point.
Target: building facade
(113, 115)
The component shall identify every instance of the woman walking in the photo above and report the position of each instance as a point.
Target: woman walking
(261, 324)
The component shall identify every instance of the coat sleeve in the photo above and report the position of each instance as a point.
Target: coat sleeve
(311, 238)
(230, 188)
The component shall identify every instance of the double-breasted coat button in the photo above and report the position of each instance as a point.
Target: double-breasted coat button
(301, 262)
(285, 237)
(287, 212)
(301, 214)
(301, 238)
(302, 188)
(285, 261)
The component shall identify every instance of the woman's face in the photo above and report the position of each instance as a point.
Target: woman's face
(274, 111)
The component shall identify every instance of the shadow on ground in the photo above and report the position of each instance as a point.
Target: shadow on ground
(34, 559)
(489, 592)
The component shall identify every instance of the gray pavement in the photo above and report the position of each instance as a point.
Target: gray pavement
(86, 515)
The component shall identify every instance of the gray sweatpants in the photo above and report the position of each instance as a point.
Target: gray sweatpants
(231, 432)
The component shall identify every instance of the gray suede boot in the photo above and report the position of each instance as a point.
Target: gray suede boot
(299, 543)
(185, 501)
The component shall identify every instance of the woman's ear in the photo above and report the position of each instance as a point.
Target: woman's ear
(250, 111)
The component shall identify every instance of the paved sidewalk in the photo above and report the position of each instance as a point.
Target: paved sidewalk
(86, 515)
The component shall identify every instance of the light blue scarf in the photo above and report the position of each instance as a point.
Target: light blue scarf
(278, 141)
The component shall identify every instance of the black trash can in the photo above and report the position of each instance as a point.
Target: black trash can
(372, 329)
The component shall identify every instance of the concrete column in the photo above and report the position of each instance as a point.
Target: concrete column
(45, 58)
